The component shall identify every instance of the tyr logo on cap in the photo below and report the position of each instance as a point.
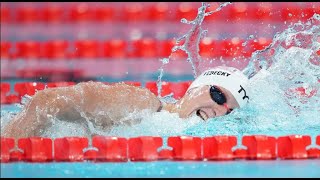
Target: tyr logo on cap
(245, 93)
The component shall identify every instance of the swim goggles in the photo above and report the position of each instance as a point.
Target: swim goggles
(219, 97)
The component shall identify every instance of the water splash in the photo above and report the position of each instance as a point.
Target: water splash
(284, 84)
(191, 41)
(302, 35)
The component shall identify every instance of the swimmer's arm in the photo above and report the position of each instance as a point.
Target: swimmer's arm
(35, 115)
(76, 102)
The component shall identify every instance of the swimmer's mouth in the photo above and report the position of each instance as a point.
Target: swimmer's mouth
(202, 114)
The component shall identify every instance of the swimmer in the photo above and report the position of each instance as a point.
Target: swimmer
(216, 92)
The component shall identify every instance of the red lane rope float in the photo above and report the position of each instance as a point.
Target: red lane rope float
(6, 145)
(144, 148)
(115, 48)
(88, 49)
(219, 147)
(70, 148)
(28, 50)
(36, 149)
(55, 49)
(156, 12)
(5, 49)
(28, 88)
(109, 149)
(59, 84)
(260, 147)
(178, 89)
(148, 148)
(4, 90)
(118, 48)
(185, 147)
(293, 147)
(145, 48)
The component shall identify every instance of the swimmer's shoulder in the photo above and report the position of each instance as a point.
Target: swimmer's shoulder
(141, 94)
(134, 93)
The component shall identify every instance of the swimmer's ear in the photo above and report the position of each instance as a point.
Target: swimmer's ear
(193, 89)
(188, 92)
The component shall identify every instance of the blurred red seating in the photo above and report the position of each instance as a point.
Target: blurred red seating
(104, 13)
(219, 147)
(28, 50)
(5, 14)
(293, 146)
(36, 149)
(133, 12)
(53, 13)
(87, 49)
(290, 12)
(55, 49)
(186, 147)
(159, 11)
(115, 48)
(28, 88)
(216, 16)
(239, 11)
(144, 148)
(186, 10)
(264, 11)
(69, 148)
(5, 49)
(81, 12)
(309, 10)
(27, 14)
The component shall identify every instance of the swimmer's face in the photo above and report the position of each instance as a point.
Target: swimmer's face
(198, 101)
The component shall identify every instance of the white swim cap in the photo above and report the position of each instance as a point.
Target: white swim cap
(229, 78)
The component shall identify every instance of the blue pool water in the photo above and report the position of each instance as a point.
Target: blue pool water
(251, 169)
